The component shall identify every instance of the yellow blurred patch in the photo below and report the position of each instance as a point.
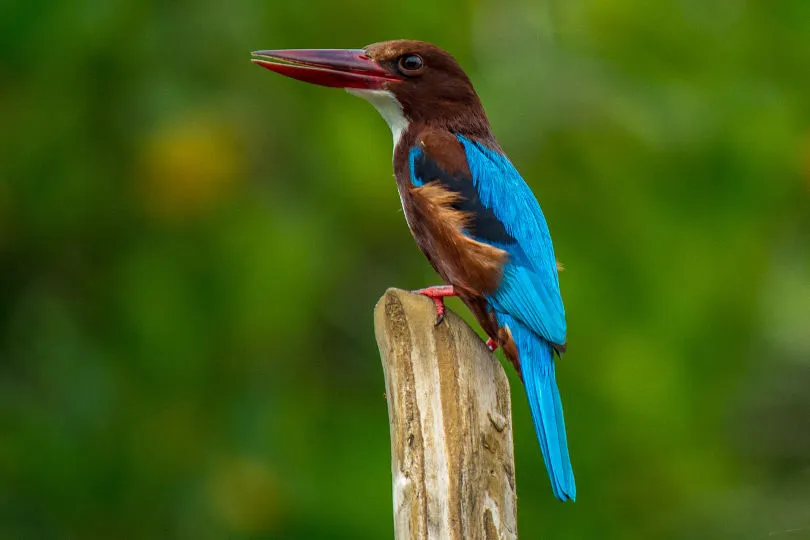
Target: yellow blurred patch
(189, 168)
(243, 494)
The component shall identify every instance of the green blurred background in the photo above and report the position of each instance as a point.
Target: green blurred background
(191, 247)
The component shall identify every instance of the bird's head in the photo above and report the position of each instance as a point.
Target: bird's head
(407, 81)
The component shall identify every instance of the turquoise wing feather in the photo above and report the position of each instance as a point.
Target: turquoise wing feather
(530, 290)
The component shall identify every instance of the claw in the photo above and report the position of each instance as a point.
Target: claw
(440, 310)
(437, 294)
(492, 345)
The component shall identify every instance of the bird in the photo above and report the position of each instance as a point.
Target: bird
(469, 210)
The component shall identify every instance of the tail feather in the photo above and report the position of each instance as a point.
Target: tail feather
(537, 366)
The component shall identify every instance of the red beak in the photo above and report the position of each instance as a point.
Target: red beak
(340, 68)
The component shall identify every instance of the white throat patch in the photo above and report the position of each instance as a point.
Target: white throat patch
(388, 106)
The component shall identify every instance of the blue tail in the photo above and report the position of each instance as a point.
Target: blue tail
(537, 365)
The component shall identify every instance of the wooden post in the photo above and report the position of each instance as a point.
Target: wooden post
(450, 416)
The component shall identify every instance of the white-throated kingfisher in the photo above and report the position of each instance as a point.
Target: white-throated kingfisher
(468, 208)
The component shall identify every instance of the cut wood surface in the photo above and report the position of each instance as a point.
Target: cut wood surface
(450, 417)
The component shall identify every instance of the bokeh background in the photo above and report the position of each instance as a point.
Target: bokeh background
(191, 248)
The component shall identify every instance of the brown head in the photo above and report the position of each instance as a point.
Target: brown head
(409, 82)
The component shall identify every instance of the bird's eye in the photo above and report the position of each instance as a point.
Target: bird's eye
(411, 64)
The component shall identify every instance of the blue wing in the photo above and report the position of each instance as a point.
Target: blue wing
(528, 301)
(530, 289)
(504, 213)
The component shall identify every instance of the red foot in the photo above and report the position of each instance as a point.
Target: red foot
(437, 293)
(491, 345)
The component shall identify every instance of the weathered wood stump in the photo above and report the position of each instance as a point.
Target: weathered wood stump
(450, 416)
